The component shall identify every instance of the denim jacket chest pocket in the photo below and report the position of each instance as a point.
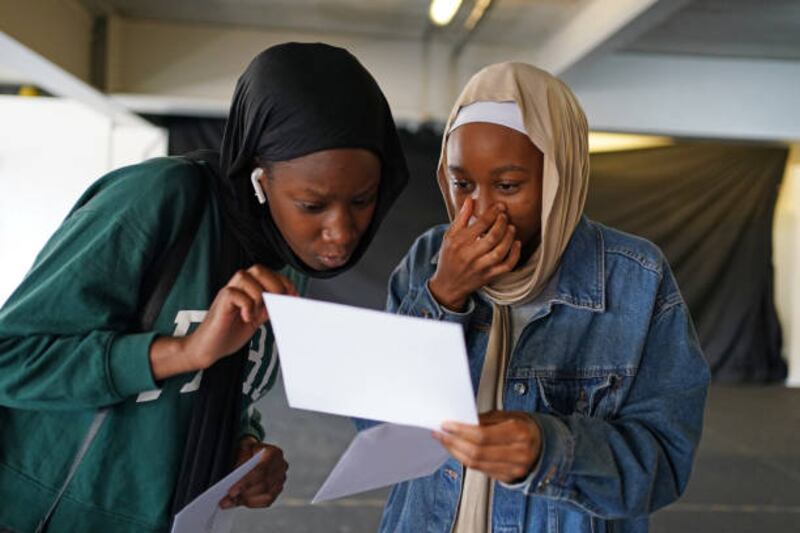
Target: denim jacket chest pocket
(596, 394)
(560, 388)
(563, 376)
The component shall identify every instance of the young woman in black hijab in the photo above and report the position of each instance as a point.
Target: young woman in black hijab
(121, 397)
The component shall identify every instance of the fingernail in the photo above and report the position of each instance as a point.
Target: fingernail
(512, 229)
(448, 426)
(225, 504)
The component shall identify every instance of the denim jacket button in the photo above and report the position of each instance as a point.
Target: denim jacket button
(452, 474)
(520, 388)
(426, 313)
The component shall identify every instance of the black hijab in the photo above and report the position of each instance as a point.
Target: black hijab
(295, 99)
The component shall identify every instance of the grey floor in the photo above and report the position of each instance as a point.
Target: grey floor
(746, 479)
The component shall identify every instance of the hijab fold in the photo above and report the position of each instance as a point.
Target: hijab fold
(557, 126)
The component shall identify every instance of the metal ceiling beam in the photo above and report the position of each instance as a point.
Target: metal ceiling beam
(40, 71)
(592, 26)
(689, 96)
(650, 18)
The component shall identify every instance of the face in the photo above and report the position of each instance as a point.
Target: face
(323, 203)
(494, 164)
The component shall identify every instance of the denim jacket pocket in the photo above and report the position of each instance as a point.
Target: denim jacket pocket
(596, 394)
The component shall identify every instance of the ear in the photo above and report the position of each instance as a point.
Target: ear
(255, 178)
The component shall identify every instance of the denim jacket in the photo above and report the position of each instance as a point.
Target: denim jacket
(610, 368)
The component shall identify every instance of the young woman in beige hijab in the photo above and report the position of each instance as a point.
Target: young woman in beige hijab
(589, 377)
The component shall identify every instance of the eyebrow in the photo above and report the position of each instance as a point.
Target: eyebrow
(508, 168)
(314, 192)
(455, 168)
(322, 195)
(495, 172)
(368, 190)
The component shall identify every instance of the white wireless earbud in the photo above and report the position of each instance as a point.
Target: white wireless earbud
(254, 179)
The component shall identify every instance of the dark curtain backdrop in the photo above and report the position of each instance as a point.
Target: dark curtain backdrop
(709, 207)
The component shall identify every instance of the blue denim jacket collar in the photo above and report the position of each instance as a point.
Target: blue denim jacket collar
(581, 282)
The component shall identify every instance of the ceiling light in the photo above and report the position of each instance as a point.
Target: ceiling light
(614, 142)
(443, 11)
(478, 10)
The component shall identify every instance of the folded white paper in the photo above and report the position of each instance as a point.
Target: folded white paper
(380, 456)
(204, 514)
(370, 364)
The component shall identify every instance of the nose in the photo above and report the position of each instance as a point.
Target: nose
(340, 229)
(482, 201)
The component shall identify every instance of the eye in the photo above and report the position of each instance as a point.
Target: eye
(460, 184)
(310, 207)
(507, 186)
(365, 202)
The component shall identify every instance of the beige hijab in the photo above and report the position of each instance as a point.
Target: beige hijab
(557, 126)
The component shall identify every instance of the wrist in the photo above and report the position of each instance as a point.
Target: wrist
(190, 356)
(443, 298)
(248, 441)
(169, 357)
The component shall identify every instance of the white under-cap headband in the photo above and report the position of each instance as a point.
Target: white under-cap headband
(505, 114)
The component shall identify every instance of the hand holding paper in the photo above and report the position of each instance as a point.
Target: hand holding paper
(354, 362)
(262, 485)
(204, 514)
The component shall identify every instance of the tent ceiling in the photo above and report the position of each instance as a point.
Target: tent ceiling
(392, 18)
(758, 29)
(512, 22)
(735, 28)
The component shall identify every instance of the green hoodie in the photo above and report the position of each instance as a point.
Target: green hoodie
(68, 346)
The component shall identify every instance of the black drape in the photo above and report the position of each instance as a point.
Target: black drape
(187, 134)
(709, 206)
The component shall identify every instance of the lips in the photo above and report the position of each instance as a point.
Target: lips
(333, 261)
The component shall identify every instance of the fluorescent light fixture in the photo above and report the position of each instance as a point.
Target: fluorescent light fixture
(478, 10)
(615, 142)
(443, 11)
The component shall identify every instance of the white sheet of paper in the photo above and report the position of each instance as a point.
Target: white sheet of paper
(203, 514)
(369, 364)
(383, 455)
